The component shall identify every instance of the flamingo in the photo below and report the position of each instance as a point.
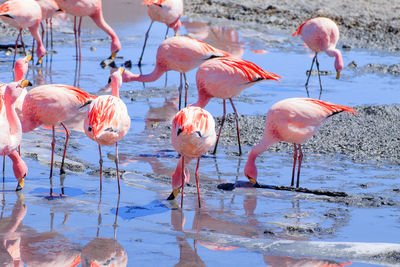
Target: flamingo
(179, 53)
(23, 14)
(165, 11)
(107, 120)
(93, 9)
(192, 135)
(50, 105)
(226, 78)
(20, 70)
(49, 9)
(292, 120)
(321, 35)
(11, 132)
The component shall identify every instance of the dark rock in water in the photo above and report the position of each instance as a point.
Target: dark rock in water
(108, 64)
(128, 64)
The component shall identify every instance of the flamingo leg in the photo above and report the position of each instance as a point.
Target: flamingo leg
(309, 74)
(22, 43)
(300, 160)
(47, 33)
(16, 47)
(294, 163)
(79, 41)
(76, 39)
(166, 33)
(186, 89)
(33, 50)
(220, 129)
(180, 90)
(237, 125)
(62, 179)
(144, 45)
(67, 134)
(183, 179)
(53, 143)
(51, 34)
(197, 181)
(101, 169)
(319, 77)
(4, 166)
(116, 164)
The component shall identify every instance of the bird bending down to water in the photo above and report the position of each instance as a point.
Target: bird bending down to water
(292, 120)
(108, 121)
(23, 14)
(51, 105)
(93, 9)
(321, 35)
(49, 9)
(164, 11)
(192, 135)
(226, 78)
(10, 129)
(179, 53)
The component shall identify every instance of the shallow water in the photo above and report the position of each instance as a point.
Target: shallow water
(240, 227)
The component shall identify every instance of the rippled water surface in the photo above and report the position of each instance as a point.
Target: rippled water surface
(241, 227)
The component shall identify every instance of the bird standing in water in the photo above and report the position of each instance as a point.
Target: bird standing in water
(23, 14)
(321, 35)
(108, 121)
(164, 11)
(11, 130)
(292, 120)
(93, 9)
(226, 78)
(192, 135)
(179, 53)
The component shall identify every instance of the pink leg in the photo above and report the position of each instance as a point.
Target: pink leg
(51, 34)
(186, 89)
(53, 143)
(79, 39)
(183, 180)
(16, 47)
(67, 134)
(76, 39)
(47, 33)
(294, 163)
(220, 129)
(22, 43)
(309, 74)
(300, 160)
(116, 164)
(237, 125)
(101, 169)
(197, 181)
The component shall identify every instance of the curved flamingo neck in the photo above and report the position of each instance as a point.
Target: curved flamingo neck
(19, 167)
(20, 72)
(177, 175)
(203, 97)
(12, 117)
(40, 50)
(333, 52)
(158, 71)
(115, 86)
(98, 18)
(266, 142)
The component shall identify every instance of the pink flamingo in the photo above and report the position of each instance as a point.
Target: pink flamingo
(23, 14)
(321, 35)
(108, 121)
(11, 132)
(50, 105)
(226, 78)
(179, 53)
(49, 9)
(20, 70)
(192, 135)
(292, 120)
(165, 11)
(93, 9)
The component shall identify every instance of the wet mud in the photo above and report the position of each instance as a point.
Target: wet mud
(362, 24)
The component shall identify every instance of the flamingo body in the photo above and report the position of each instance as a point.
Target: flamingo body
(227, 77)
(49, 8)
(168, 12)
(51, 104)
(192, 135)
(23, 14)
(292, 120)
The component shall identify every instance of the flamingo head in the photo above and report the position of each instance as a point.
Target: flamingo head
(338, 64)
(20, 169)
(21, 67)
(176, 26)
(250, 171)
(14, 90)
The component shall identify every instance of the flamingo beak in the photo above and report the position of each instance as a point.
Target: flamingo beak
(28, 58)
(121, 70)
(113, 55)
(20, 185)
(176, 34)
(174, 194)
(337, 75)
(25, 83)
(39, 62)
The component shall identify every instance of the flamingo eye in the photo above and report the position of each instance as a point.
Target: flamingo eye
(90, 128)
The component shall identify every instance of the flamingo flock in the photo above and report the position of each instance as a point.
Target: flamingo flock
(105, 119)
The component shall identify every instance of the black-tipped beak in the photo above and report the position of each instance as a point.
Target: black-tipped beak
(109, 80)
(30, 84)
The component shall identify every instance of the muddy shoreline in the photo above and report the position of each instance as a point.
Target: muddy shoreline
(362, 24)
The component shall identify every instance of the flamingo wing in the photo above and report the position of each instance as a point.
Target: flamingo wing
(192, 120)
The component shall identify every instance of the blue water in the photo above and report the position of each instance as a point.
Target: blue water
(233, 227)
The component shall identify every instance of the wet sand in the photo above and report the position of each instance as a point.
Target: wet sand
(362, 24)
